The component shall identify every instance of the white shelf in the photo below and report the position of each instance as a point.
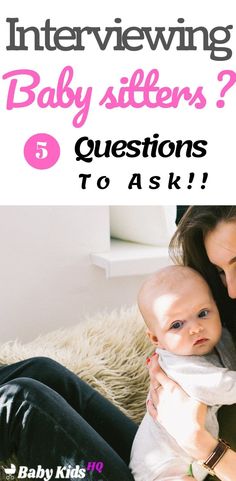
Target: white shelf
(130, 259)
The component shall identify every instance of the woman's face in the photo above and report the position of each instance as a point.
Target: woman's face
(220, 246)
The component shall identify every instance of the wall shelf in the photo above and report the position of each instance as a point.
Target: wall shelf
(130, 259)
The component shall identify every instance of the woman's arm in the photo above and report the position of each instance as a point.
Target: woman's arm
(184, 419)
(226, 468)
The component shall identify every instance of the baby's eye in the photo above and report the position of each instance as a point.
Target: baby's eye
(203, 313)
(176, 325)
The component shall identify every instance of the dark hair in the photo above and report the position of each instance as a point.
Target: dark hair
(187, 248)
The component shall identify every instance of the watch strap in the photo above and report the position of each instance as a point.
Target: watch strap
(215, 456)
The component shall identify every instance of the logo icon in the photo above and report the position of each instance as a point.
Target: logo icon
(9, 471)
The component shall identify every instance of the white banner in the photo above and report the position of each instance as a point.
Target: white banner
(117, 103)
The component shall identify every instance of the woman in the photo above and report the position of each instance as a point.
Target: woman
(49, 417)
(205, 240)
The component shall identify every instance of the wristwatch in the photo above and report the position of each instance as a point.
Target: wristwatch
(215, 456)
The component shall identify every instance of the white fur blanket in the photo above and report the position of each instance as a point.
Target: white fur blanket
(108, 351)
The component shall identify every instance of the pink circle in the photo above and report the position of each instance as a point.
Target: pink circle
(41, 151)
(220, 104)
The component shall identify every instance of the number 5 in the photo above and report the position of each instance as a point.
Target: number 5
(41, 152)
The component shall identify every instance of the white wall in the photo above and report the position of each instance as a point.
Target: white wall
(46, 278)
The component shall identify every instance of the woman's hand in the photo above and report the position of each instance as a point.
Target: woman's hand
(182, 416)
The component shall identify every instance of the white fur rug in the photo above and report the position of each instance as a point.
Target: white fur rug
(108, 351)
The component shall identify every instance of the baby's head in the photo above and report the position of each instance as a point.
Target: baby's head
(180, 312)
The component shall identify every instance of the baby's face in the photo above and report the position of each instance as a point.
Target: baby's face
(186, 321)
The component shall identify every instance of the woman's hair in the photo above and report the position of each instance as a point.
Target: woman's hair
(187, 248)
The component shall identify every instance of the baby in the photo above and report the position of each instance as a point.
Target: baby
(184, 324)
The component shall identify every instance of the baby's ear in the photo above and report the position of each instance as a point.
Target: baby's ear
(152, 337)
